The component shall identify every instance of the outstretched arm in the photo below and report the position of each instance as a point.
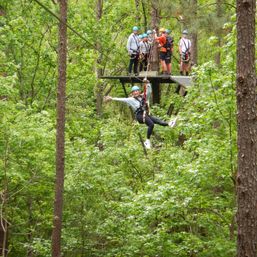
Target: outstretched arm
(124, 100)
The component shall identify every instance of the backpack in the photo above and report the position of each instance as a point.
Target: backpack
(169, 43)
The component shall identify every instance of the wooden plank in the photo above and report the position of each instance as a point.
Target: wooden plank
(185, 81)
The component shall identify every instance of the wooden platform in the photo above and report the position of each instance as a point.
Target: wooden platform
(162, 79)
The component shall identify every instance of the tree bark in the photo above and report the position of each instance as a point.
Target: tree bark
(219, 31)
(144, 15)
(137, 3)
(194, 48)
(30, 222)
(99, 70)
(60, 135)
(3, 205)
(155, 22)
(247, 130)
(154, 55)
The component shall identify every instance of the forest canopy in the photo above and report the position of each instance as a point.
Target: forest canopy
(176, 200)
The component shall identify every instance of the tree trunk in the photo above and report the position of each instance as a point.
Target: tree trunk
(3, 207)
(155, 22)
(138, 15)
(154, 55)
(2, 11)
(247, 130)
(60, 135)
(144, 15)
(99, 70)
(219, 31)
(194, 48)
(30, 223)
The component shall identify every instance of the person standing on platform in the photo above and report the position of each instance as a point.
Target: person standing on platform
(133, 51)
(163, 51)
(144, 53)
(169, 47)
(184, 51)
(150, 37)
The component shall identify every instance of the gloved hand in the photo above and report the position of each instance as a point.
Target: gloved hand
(107, 98)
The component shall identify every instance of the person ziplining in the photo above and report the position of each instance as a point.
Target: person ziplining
(139, 102)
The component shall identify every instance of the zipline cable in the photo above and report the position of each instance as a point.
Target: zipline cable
(75, 32)
(71, 28)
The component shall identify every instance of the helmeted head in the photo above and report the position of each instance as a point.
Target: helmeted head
(149, 32)
(135, 90)
(185, 32)
(162, 30)
(135, 29)
(145, 37)
(141, 36)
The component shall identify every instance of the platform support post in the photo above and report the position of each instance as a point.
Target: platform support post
(156, 92)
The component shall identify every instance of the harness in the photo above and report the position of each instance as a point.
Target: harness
(186, 46)
(135, 39)
(185, 55)
(144, 105)
(169, 43)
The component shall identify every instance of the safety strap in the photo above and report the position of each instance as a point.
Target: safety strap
(143, 106)
(135, 39)
(187, 47)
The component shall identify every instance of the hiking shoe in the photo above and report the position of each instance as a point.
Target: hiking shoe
(172, 123)
(147, 144)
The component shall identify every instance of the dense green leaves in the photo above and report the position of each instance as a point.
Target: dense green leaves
(176, 201)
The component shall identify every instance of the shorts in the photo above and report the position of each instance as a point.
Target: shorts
(163, 56)
(168, 58)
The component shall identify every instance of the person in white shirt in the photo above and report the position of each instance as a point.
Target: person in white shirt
(144, 49)
(184, 51)
(133, 51)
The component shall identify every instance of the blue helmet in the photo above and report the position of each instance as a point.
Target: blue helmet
(140, 36)
(135, 88)
(135, 28)
(149, 32)
(167, 31)
(144, 35)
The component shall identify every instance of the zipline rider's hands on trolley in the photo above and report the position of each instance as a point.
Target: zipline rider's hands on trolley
(139, 102)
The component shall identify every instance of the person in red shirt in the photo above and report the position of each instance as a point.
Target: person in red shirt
(163, 51)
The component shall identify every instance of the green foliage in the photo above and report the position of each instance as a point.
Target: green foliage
(176, 201)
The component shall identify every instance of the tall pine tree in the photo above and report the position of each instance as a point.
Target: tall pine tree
(60, 135)
(247, 130)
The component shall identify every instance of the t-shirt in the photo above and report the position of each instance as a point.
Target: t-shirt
(144, 47)
(133, 43)
(162, 41)
(184, 44)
